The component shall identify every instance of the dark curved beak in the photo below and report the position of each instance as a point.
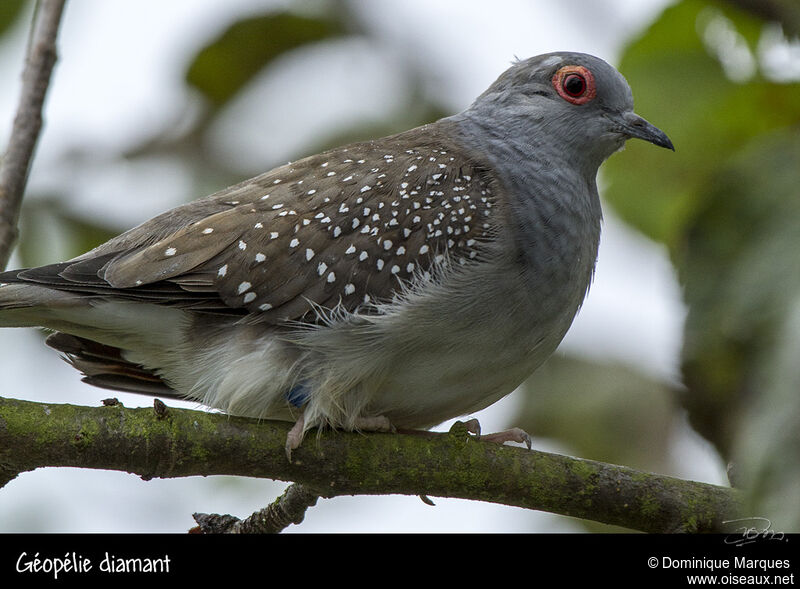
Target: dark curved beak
(633, 125)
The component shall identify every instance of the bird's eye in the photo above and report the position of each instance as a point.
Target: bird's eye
(575, 84)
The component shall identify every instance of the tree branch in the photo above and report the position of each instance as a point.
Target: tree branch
(289, 508)
(16, 163)
(182, 442)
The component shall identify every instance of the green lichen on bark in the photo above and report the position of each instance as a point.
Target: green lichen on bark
(181, 442)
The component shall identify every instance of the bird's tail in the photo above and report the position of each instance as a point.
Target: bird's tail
(93, 334)
(105, 367)
(30, 305)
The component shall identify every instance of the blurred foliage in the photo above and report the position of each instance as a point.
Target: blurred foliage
(683, 88)
(740, 264)
(250, 46)
(727, 206)
(10, 10)
(786, 12)
(49, 225)
(600, 409)
(224, 66)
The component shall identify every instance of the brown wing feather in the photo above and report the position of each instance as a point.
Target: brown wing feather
(350, 234)
(338, 228)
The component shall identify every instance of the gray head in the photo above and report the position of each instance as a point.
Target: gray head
(573, 101)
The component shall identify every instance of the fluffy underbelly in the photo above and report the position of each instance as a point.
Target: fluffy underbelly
(427, 390)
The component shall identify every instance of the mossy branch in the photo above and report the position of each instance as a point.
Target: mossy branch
(181, 442)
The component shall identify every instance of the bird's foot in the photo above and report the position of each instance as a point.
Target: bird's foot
(514, 434)
(295, 436)
(379, 423)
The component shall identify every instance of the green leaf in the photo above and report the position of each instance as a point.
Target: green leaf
(681, 87)
(223, 67)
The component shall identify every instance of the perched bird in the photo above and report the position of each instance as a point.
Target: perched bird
(391, 283)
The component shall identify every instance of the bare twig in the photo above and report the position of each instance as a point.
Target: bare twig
(39, 62)
(289, 508)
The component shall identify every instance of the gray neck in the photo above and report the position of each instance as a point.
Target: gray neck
(556, 232)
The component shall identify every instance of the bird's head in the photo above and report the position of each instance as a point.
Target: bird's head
(568, 102)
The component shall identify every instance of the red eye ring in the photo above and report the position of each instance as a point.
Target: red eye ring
(575, 84)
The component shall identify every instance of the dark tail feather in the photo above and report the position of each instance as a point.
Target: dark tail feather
(104, 367)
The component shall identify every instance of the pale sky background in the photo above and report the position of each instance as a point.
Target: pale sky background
(117, 82)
